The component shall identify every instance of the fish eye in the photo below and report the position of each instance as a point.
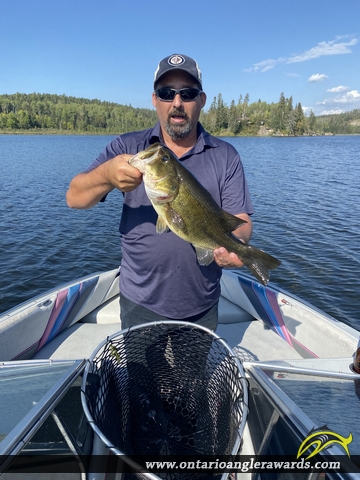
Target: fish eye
(165, 158)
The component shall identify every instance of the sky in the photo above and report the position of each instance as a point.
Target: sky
(109, 49)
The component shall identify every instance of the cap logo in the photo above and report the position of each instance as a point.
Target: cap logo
(176, 60)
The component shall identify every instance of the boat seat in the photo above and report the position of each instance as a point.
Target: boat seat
(78, 341)
(253, 340)
(231, 313)
(108, 312)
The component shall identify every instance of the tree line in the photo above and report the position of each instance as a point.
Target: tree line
(248, 118)
(342, 123)
(70, 114)
(48, 113)
(281, 118)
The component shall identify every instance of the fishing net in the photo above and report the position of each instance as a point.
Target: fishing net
(166, 389)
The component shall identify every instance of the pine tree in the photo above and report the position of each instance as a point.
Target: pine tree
(299, 119)
(234, 123)
(221, 114)
(312, 122)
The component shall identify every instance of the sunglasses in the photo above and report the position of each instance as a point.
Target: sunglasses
(166, 94)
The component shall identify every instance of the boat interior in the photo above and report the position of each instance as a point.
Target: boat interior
(296, 382)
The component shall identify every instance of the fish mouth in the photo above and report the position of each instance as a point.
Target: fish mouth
(146, 157)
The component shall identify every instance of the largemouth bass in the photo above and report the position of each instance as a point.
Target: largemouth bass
(186, 208)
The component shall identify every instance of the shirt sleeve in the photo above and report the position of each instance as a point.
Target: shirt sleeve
(114, 148)
(235, 196)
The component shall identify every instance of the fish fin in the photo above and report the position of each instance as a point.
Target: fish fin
(232, 222)
(161, 226)
(204, 256)
(176, 219)
(172, 218)
(259, 263)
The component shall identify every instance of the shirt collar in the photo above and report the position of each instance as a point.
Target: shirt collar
(155, 134)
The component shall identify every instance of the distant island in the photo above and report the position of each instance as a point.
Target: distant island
(43, 113)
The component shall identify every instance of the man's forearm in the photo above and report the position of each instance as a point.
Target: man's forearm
(87, 189)
(244, 232)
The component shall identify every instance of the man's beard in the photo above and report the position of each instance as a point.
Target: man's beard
(178, 131)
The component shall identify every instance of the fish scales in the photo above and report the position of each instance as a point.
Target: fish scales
(185, 207)
(194, 202)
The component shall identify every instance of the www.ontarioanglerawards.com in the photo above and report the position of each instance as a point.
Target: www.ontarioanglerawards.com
(250, 465)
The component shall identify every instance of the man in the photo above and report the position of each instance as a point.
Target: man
(160, 276)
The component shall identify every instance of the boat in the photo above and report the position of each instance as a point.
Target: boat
(300, 394)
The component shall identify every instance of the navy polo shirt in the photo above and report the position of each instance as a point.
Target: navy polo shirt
(160, 271)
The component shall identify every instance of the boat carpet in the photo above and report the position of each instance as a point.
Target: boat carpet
(254, 341)
(250, 340)
(77, 342)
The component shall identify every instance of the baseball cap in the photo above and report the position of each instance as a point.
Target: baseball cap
(178, 62)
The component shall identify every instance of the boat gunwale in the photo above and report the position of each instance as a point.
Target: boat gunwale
(286, 293)
(302, 371)
(286, 406)
(52, 291)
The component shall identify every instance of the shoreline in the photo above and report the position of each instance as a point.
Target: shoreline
(70, 134)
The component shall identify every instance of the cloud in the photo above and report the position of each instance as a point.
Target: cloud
(331, 112)
(348, 101)
(317, 77)
(265, 65)
(338, 89)
(334, 47)
(324, 48)
(352, 97)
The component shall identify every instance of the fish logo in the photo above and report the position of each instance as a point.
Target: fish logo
(321, 439)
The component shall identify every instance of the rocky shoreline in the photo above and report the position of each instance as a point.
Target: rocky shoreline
(268, 132)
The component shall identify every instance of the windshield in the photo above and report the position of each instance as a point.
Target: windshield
(29, 391)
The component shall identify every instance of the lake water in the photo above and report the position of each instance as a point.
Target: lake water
(307, 212)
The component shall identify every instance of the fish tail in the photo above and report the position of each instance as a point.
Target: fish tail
(259, 263)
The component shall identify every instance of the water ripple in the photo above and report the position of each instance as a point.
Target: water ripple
(307, 210)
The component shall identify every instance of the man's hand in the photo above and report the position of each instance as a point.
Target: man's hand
(121, 175)
(227, 260)
(230, 260)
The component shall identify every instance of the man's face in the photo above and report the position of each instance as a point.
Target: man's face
(177, 118)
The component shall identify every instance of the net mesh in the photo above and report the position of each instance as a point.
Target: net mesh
(166, 389)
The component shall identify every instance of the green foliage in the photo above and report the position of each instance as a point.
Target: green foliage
(346, 123)
(312, 122)
(261, 118)
(46, 113)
